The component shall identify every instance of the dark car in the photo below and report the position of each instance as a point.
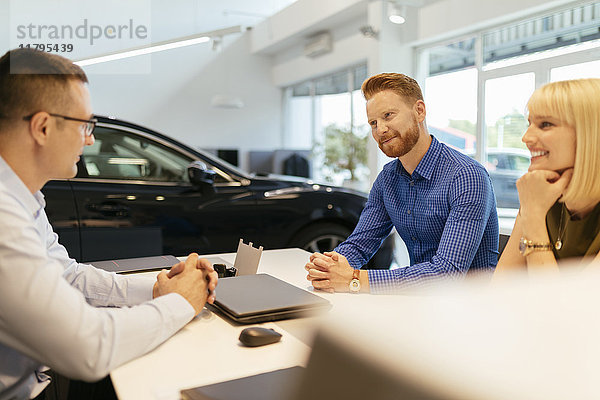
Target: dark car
(141, 193)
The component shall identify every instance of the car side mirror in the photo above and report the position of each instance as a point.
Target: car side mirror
(200, 175)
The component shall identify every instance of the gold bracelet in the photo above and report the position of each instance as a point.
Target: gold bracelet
(527, 247)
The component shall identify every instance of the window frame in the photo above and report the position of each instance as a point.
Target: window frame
(317, 131)
(541, 69)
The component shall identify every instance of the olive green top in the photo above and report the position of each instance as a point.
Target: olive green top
(580, 237)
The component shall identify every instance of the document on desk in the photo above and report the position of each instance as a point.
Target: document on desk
(205, 352)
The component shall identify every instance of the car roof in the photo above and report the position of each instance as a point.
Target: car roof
(232, 169)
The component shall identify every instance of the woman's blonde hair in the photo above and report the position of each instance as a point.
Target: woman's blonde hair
(577, 103)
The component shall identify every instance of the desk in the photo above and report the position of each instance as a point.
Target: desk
(207, 350)
(517, 340)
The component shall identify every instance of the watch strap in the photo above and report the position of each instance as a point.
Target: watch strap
(527, 247)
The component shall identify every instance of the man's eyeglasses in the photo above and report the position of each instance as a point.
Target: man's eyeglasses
(87, 129)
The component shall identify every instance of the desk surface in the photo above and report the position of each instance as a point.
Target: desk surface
(518, 339)
(207, 350)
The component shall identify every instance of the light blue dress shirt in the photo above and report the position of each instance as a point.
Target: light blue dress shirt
(80, 321)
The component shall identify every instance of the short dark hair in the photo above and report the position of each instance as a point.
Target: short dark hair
(33, 81)
(403, 85)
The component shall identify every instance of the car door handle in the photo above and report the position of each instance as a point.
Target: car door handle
(110, 209)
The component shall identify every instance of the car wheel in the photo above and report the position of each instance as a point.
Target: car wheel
(321, 237)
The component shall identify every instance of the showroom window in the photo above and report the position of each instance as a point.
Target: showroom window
(476, 88)
(451, 72)
(327, 115)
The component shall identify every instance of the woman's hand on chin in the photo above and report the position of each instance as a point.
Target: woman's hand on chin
(539, 190)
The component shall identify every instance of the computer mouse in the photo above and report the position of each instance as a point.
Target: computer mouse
(257, 336)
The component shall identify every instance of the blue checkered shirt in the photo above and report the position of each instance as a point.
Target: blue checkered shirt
(445, 213)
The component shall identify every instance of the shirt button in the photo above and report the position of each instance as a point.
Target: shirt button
(412, 183)
(408, 212)
(413, 238)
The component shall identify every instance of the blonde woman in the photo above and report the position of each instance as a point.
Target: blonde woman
(560, 194)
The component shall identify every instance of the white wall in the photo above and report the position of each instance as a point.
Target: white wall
(175, 97)
(392, 52)
(350, 47)
(301, 19)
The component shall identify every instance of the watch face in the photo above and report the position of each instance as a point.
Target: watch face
(354, 285)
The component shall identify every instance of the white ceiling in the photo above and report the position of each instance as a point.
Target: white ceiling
(169, 19)
(176, 18)
(166, 19)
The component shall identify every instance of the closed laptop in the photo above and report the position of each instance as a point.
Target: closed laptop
(138, 264)
(259, 298)
(143, 264)
(274, 385)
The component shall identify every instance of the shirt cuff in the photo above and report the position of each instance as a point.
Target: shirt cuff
(139, 289)
(382, 281)
(178, 307)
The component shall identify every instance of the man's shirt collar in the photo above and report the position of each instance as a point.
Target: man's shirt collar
(427, 164)
(32, 202)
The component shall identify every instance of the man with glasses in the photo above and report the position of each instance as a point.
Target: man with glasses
(53, 310)
(86, 129)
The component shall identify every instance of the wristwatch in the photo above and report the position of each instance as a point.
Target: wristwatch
(527, 247)
(354, 284)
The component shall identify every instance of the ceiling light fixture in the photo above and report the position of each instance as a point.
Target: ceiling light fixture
(141, 51)
(161, 46)
(396, 13)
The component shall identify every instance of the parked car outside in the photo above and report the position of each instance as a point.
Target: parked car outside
(140, 193)
(505, 166)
